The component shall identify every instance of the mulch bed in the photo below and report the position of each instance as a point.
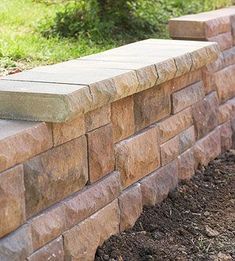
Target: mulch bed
(195, 222)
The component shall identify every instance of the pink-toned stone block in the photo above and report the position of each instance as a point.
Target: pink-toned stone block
(226, 136)
(169, 150)
(186, 165)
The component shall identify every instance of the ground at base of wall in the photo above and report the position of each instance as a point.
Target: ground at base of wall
(196, 222)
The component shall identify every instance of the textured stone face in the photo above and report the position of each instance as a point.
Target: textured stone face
(188, 96)
(123, 118)
(207, 148)
(12, 200)
(16, 246)
(233, 129)
(225, 40)
(81, 241)
(175, 124)
(208, 81)
(53, 251)
(226, 136)
(100, 152)
(152, 105)
(63, 132)
(186, 139)
(138, 156)
(169, 150)
(225, 112)
(130, 203)
(20, 141)
(205, 114)
(156, 186)
(97, 118)
(53, 175)
(90, 200)
(186, 164)
(229, 56)
(47, 226)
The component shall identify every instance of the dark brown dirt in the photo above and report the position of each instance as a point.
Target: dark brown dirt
(196, 221)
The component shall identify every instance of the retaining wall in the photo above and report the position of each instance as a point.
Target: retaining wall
(117, 131)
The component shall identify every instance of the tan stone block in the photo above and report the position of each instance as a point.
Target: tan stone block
(16, 246)
(47, 226)
(91, 199)
(53, 251)
(183, 64)
(166, 70)
(81, 242)
(175, 124)
(169, 150)
(231, 102)
(130, 203)
(207, 148)
(224, 40)
(20, 141)
(12, 200)
(187, 96)
(225, 111)
(205, 114)
(226, 134)
(208, 81)
(229, 57)
(147, 77)
(186, 164)
(157, 185)
(217, 65)
(55, 174)
(186, 80)
(186, 139)
(138, 156)
(122, 115)
(152, 105)
(100, 152)
(63, 132)
(232, 21)
(97, 118)
(225, 83)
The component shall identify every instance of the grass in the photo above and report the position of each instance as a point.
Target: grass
(22, 44)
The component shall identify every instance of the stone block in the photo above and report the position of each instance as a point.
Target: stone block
(226, 136)
(208, 81)
(100, 152)
(97, 118)
(55, 174)
(225, 112)
(157, 185)
(175, 124)
(52, 252)
(186, 139)
(12, 200)
(64, 132)
(224, 40)
(81, 242)
(205, 115)
(17, 246)
(208, 148)
(20, 141)
(147, 77)
(122, 115)
(152, 105)
(138, 156)
(186, 165)
(187, 96)
(91, 199)
(229, 57)
(47, 226)
(166, 70)
(130, 203)
(169, 150)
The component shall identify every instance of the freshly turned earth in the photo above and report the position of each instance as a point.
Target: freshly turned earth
(196, 222)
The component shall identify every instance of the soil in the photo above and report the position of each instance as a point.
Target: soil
(195, 222)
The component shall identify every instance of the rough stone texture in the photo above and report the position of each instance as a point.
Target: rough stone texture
(188, 96)
(20, 141)
(12, 200)
(47, 226)
(97, 118)
(130, 203)
(17, 246)
(225, 83)
(100, 152)
(175, 124)
(208, 81)
(52, 252)
(157, 185)
(229, 57)
(63, 132)
(224, 40)
(225, 112)
(91, 199)
(186, 164)
(233, 129)
(232, 104)
(138, 156)
(55, 174)
(169, 150)
(218, 64)
(166, 70)
(152, 105)
(122, 115)
(226, 136)
(205, 115)
(147, 77)
(207, 148)
(81, 242)
(186, 139)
